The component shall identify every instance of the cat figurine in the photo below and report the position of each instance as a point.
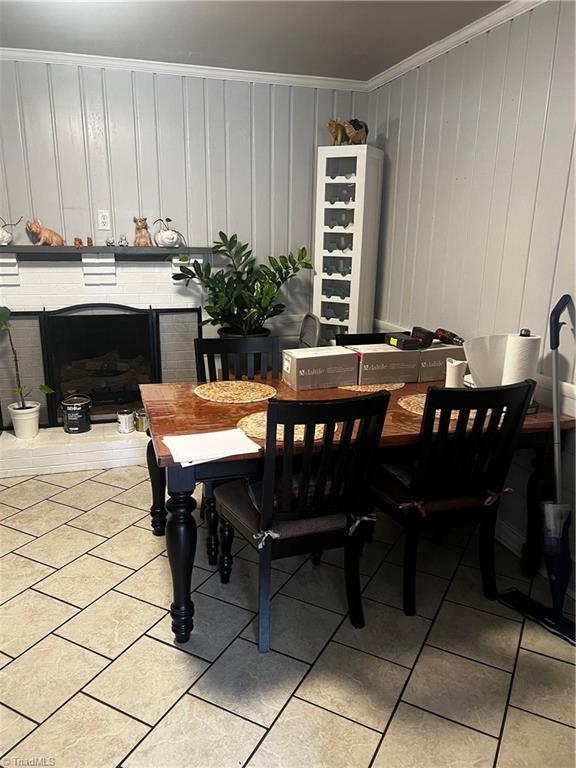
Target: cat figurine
(43, 235)
(142, 237)
(356, 130)
(337, 131)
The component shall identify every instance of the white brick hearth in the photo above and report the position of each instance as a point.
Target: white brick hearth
(54, 450)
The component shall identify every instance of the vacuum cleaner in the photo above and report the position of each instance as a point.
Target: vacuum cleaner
(556, 517)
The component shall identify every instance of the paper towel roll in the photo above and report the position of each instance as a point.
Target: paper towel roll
(502, 358)
(521, 358)
(455, 370)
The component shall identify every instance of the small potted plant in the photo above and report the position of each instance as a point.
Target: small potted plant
(25, 414)
(243, 295)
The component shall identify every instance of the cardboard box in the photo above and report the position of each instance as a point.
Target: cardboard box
(319, 367)
(383, 364)
(433, 360)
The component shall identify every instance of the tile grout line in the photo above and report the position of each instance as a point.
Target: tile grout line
(424, 642)
(338, 714)
(449, 719)
(469, 658)
(542, 717)
(509, 695)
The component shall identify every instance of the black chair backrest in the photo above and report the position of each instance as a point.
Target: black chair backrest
(310, 332)
(470, 454)
(310, 478)
(346, 339)
(250, 357)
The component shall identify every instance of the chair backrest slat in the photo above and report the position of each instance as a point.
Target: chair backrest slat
(472, 453)
(241, 358)
(287, 465)
(316, 477)
(307, 457)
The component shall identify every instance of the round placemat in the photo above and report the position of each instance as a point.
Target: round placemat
(373, 387)
(254, 425)
(235, 392)
(415, 404)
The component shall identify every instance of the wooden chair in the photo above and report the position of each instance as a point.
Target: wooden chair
(459, 472)
(313, 493)
(250, 357)
(223, 359)
(345, 339)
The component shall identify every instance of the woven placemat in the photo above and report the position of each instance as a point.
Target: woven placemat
(373, 387)
(235, 392)
(415, 404)
(254, 425)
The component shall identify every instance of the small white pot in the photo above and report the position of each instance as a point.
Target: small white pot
(25, 420)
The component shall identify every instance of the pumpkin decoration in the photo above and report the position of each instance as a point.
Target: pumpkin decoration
(166, 236)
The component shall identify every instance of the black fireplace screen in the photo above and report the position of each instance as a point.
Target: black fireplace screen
(105, 357)
(104, 351)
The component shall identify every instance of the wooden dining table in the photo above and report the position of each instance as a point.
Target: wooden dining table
(174, 409)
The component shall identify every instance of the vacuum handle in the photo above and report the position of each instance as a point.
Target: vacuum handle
(555, 324)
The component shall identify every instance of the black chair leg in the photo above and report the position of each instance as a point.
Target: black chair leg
(264, 583)
(410, 552)
(352, 550)
(486, 548)
(316, 557)
(226, 539)
(211, 517)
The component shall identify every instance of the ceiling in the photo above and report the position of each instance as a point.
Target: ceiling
(352, 39)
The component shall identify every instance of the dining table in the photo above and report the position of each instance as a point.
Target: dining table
(175, 409)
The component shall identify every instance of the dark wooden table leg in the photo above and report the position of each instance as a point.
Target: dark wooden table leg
(540, 487)
(158, 483)
(211, 517)
(181, 546)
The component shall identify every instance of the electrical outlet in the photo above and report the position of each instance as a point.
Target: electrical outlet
(104, 220)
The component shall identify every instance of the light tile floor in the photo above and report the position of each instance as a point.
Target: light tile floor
(90, 675)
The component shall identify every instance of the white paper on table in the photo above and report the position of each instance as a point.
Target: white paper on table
(189, 450)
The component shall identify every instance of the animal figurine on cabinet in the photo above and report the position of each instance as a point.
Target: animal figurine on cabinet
(142, 237)
(110, 241)
(166, 237)
(337, 131)
(78, 242)
(44, 235)
(122, 241)
(5, 236)
(89, 242)
(356, 130)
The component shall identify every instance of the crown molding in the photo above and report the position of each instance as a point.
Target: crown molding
(501, 15)
(186, 70)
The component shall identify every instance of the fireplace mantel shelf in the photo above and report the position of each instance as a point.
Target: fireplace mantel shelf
(122, 253)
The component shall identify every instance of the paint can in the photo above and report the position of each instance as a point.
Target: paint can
(76, 414)
(125, 421)
(141, 420)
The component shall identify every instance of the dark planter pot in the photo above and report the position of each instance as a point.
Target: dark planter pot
(228, 333)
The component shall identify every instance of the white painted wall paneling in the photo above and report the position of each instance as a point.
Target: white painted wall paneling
(478, 208)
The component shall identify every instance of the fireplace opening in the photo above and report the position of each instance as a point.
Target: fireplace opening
(105, 357)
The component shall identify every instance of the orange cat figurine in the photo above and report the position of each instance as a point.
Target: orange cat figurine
(142, 237)
(43, 235)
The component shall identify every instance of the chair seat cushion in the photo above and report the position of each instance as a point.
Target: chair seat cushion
(391, 486)
(233, 502)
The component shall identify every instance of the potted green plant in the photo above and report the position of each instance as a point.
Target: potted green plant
(243, 295)
(25, 414)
